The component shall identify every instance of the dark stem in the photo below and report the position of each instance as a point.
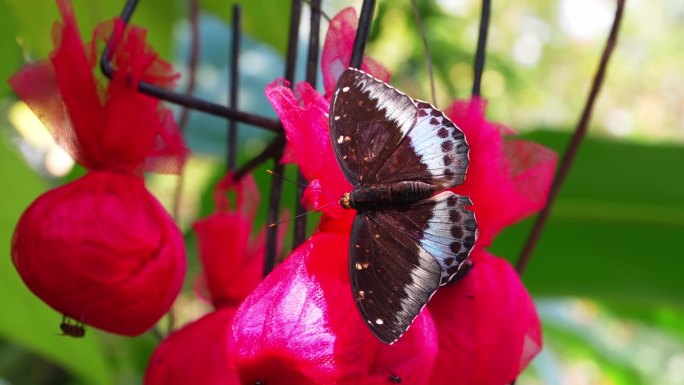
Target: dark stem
(277, 183)
(270, 152)
(234, 80)
(311, 78)
(185, 100)
(362, 33)
(573, 146)
(481, 44)
(185, 113)
(428, 60)
(185, 117)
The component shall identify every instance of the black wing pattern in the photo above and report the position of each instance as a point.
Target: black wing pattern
(441, 225)
(392, 278)
(368, 119)
(433, 151)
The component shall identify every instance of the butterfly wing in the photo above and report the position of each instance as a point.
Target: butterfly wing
(392, 278)
(368, 119)
(441, 225)
(433, 151)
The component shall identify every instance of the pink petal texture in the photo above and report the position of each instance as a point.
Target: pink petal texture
(337, 51)
(507, 180)
(111, 127)
(195, 354)
(488, 328)
(103, 251)
(300, 326)
(305, 121)
(232, 263)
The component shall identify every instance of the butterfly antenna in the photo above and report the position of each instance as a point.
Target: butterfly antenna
(287, 179)
(274, 224)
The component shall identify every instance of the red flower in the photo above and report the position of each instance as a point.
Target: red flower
(232, 265)
(196, 354)
(487, 325)
(301, 326)
(102, 250)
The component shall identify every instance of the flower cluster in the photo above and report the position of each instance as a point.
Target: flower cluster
(300, 324)
(102, 250)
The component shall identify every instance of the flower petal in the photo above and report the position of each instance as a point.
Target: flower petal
(487, 326)
(195, 354)
(301, 326)
(506, 180)
(114, 127)
(337, 51)
(306, 128)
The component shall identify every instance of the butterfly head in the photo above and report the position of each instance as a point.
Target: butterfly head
(345, 200)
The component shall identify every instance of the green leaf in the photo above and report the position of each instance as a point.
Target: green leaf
(11, 55)
(615, 230)
(25, 319)
(265, 20)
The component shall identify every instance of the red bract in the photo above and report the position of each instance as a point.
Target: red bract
(507, 180)
(337, 50)
(487, 326)
(300, 326)
(232, 265)
(102, 250)
(195, 354)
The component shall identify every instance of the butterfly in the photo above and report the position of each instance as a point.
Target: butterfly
(407, 239)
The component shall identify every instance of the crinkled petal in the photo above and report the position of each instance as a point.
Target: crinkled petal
(195, 354)
(301, 326)
(103, 251)
(487, 326)
(506, 180)
(337, 51)
(115, 127)
(306, 128)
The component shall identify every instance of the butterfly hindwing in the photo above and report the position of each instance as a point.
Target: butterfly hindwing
(368, 119)
(392, 278)
(441, 225)
(433, 151)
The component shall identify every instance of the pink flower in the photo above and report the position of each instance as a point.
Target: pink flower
(196, 354)
(102, 250)
(301, 326)
(232, 264)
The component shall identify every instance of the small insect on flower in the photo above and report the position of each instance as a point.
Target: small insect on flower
(394, 379)
(73, 329)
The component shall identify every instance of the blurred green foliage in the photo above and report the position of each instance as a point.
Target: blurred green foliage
(613, 237)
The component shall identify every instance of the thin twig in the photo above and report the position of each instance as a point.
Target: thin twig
(181, 99)
(362, 32)
(270, 152)
(234, 80)
(189, 90)
(316, 5)
(277, 183)
(573, 147)
(184, 118)
(481, 45)
(428, 60)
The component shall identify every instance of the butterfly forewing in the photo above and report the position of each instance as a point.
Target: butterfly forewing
(433, 151)
(392, 277)
(368, 119)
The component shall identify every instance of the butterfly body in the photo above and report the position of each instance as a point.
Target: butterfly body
(385, 196)
(407, 238)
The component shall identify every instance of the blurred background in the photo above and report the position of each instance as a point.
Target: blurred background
(607, 273)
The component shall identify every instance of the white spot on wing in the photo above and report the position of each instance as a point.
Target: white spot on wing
(345, 89)
(379, 321)
(340, 139)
